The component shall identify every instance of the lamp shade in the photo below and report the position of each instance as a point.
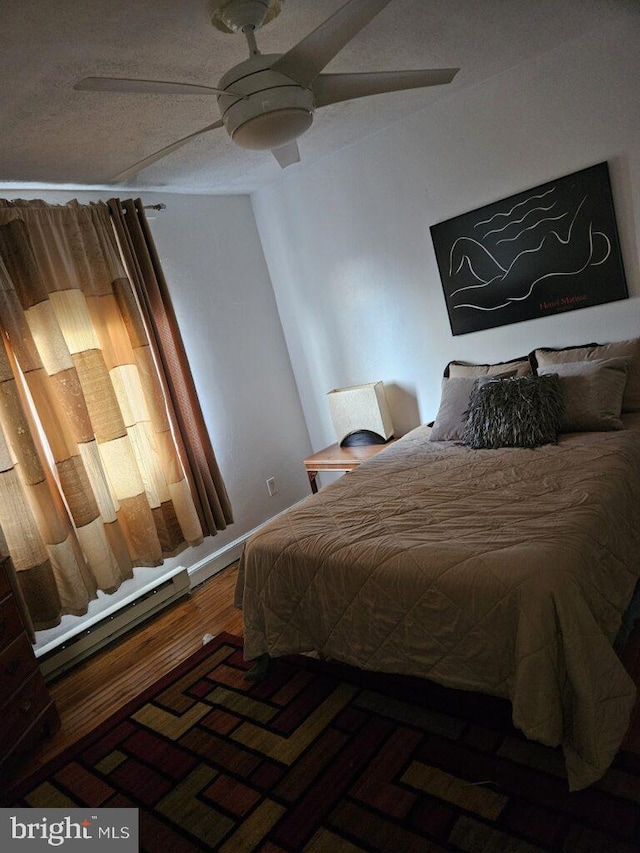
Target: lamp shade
(360, 408)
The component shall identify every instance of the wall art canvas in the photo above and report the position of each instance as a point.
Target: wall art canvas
(550, 249)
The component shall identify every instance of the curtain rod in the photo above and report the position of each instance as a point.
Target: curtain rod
(160, 206)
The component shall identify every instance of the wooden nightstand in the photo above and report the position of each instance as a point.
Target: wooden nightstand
(336, 458)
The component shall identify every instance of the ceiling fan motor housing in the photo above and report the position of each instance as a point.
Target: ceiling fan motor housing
(275, 110)
(232, 16)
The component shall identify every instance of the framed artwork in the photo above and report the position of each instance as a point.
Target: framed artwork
(550, 249)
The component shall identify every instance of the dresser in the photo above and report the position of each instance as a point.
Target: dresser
(26, 709)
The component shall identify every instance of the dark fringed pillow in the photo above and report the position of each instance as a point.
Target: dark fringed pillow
(524, 411)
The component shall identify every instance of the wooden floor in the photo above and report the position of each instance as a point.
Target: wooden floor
(100, 685)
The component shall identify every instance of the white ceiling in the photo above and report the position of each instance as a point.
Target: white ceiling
(53, 135)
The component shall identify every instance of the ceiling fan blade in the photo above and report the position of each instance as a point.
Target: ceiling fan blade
(287, 154)
(152, 158)
(306, 60)
(148, 87)
(332, 88)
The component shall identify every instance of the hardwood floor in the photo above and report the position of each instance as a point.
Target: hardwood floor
(87, 694)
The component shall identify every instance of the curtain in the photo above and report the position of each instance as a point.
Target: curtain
(141, 258)
(92, 482)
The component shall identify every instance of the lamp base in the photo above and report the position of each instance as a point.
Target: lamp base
(362, 436)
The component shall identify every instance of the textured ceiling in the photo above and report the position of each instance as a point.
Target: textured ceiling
(51, 134)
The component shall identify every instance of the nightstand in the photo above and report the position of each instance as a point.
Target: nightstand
(336, 458)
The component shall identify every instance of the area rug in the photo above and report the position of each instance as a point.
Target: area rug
(320, 757)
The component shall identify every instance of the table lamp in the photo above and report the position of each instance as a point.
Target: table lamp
(360, 414)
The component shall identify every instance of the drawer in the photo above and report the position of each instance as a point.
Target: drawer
(17, 663)
(10, 622)
(5, 586)
(23, 711)
(27, 746)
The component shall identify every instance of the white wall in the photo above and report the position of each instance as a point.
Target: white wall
(347, 241)
(221, 291)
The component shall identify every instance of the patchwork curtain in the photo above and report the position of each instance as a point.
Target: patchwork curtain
(92, 482)
(141, 259)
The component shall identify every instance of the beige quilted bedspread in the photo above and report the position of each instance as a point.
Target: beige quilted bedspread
(502, 571)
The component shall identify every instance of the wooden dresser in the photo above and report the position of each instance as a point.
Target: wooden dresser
(27, 712)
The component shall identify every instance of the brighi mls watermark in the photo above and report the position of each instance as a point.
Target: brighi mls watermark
(76, 829)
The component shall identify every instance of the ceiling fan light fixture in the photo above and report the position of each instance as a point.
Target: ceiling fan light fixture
(274, 112)
(273, 129)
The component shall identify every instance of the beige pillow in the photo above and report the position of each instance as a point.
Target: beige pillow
(592, 393)
(517, 367)
(589, 352)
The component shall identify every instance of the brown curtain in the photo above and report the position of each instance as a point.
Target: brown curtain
(92, 482)
(143, 265)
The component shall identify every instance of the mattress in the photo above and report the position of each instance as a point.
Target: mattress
(501, 571)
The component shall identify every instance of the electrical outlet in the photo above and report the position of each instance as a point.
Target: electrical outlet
(271, 486)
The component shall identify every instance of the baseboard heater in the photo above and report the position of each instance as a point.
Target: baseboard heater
(109, 627)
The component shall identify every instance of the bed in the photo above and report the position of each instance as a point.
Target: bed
(506, 571)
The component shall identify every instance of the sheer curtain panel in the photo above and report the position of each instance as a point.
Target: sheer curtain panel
(92, 482)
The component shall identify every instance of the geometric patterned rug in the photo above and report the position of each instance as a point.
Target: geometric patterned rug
(322, 757)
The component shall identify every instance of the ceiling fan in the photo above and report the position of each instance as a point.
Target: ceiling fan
(268, 101)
